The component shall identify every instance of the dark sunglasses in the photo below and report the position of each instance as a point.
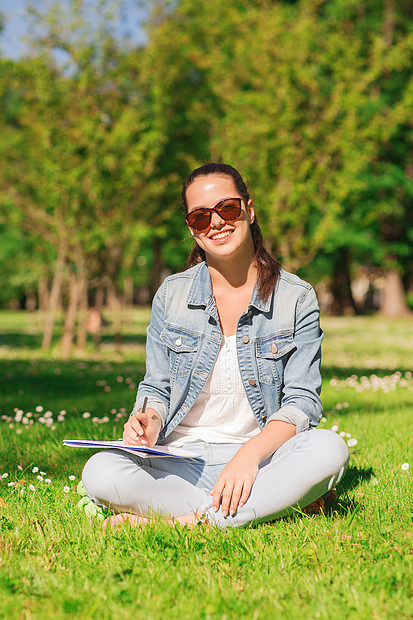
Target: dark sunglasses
(228, 209)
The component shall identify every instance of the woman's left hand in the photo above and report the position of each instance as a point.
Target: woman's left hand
(234, 484)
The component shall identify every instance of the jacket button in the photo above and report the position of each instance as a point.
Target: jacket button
(178, 341)
(245, 339)
(274, 348)
(264, 418)
(251, 381)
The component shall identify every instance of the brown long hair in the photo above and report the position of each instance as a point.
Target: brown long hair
(268, 268)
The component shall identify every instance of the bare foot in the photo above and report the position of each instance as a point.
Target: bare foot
(135, 521)
(315, 508)
(190, 520)
(122, 518)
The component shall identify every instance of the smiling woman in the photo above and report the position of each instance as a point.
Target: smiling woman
(232, 372)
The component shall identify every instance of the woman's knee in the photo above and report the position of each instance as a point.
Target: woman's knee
(332, 450)
(99, 474)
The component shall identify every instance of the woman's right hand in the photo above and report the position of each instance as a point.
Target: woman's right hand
(142, 429)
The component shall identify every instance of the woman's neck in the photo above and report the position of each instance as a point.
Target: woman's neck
(239, 275)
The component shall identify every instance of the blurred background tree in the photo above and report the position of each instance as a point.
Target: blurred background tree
(311, 100)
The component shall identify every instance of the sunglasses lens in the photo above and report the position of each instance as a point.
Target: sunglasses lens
(229, 210)
(199, 219)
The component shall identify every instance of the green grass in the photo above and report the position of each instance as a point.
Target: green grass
(355, 561)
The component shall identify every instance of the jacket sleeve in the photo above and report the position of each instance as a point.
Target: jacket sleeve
(156, 383)
(301, 403)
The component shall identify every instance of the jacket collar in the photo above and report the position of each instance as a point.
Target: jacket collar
(201, 293)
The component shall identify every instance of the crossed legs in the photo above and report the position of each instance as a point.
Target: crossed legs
(297, 474)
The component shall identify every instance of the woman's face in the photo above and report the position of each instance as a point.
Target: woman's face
(222, 239)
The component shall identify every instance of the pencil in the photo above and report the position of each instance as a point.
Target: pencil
(145, 402)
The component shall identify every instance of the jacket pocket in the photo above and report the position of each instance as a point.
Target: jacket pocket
(272, 355)
(182, 347)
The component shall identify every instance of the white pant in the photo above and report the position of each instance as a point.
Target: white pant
(300, 471)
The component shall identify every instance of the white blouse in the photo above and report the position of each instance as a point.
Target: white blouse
(221, 413)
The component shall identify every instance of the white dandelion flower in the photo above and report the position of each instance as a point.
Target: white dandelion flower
(375, 481)
(72, 477)
(334, 428)
(66, 489)
(86, 414)
(32, 487)
(5, 475)
(11, 484)
(405, 466)
(48, 480)
(40, 478)
(352, 442)
(35, 470)
(39, 408)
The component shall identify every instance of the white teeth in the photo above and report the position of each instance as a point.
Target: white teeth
(221, 235)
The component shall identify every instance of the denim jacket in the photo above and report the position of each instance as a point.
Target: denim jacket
(278, 348)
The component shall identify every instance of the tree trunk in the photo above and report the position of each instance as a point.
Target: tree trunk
(394, 304)
(389, 21)
(43, 293)
(54, 300)
(82, 314)
(343, 302)
(157, 265)
(70, 321)
(128, 292)
(99, 301)
(100, 298)
(115, 305)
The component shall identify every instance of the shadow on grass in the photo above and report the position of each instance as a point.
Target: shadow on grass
(345, 502)
(73, 386)
(21, 340)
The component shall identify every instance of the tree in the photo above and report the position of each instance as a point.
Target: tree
(78, 175)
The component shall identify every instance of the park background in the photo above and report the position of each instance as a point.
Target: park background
(311, 100)
(105, 109)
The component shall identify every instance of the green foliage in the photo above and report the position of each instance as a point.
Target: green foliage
(311, 100)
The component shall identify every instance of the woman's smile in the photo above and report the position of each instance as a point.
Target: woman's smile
(221, 236)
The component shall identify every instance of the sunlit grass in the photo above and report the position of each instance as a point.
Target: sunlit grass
(355, 561)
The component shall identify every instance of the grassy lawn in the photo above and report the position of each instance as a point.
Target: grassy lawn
(355, 561)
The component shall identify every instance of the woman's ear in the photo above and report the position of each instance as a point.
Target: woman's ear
(251, 211)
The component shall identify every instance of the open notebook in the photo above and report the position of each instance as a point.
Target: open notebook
(143, 451)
